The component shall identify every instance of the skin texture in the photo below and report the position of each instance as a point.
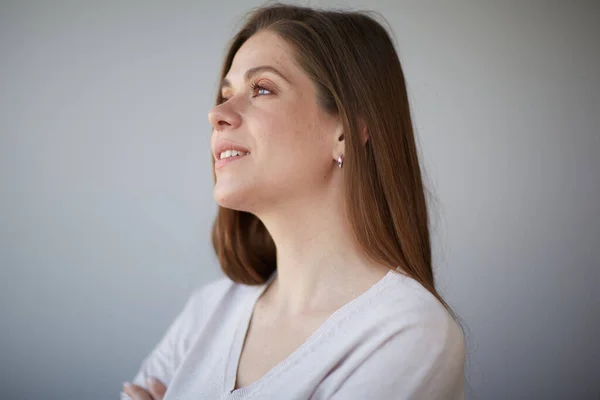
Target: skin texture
(292, 141)
(290, 180)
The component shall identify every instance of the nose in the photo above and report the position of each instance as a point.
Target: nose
(223, 117)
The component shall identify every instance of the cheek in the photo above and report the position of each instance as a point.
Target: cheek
(277, 135)
(293, 151)
(288, 134)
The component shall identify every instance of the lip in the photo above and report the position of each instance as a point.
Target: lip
(223, 145)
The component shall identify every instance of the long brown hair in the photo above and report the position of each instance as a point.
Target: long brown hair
(353, 63)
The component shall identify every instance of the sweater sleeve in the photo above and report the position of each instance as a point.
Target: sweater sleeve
(421, 361)
(163, 360)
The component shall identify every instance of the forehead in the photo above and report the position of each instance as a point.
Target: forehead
(263, 48)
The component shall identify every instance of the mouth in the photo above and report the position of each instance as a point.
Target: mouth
(227, 151)
(229, 156)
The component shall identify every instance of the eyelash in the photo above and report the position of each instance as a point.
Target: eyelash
(253, 87)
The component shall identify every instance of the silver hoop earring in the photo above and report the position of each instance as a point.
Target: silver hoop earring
(340, 160)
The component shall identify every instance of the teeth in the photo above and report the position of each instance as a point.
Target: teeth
(232, 153)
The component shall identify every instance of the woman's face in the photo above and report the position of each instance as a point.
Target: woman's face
(287, 144)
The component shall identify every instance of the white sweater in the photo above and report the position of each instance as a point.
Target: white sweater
(394, 341)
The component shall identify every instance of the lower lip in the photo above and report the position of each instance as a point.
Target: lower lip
(223, 162)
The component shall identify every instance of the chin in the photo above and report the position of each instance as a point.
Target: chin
(233, 198)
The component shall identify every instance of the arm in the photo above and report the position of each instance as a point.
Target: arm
(164, 359)
(417, 362)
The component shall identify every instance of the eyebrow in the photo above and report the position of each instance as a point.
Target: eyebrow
(225, 83)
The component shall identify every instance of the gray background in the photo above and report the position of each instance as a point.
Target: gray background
(106, 199)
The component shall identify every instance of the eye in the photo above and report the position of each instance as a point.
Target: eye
(258, 90)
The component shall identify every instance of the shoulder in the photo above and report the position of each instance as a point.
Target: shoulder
(413, 316)
(212, 291)
(412, 347)
(201, 305)
(218, 293)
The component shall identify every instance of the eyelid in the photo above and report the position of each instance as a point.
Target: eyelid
(260, 82)
(265, 82)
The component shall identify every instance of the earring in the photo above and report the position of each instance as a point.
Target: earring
(340, 160)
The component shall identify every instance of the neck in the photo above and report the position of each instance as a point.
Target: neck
(320, 266)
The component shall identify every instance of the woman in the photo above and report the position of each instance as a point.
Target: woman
(322, 229)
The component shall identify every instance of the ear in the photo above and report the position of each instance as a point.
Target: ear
(339, 135)
(339, 144)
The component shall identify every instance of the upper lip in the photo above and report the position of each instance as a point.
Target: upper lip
(222, 145)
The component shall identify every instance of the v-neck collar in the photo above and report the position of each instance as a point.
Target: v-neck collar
(244, 324)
